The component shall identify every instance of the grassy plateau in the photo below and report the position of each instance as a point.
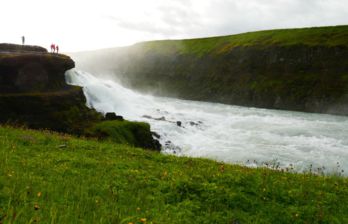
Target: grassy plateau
(315, 36)
(52, 178)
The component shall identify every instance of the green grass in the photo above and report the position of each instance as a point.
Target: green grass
(123, 132)
(51, 178)
(316, 36)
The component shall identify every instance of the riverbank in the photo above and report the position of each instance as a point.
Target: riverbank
(47, 177)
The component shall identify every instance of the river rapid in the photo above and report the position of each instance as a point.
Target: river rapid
(231, 134)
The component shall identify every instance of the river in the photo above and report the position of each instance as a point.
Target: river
(232, 134)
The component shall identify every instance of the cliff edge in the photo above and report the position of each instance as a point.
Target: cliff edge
(26, 69)
(34, 93)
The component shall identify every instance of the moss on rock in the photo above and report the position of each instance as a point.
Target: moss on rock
(125, 132)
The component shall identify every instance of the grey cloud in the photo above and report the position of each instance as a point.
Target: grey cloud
(186, 19)
(170, 19)
(242, 16)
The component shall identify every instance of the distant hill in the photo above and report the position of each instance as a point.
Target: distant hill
(292, 69)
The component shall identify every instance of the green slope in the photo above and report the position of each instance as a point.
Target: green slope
(50, 178)
(316, 36)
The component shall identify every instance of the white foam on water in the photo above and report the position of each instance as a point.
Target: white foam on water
(227, 133)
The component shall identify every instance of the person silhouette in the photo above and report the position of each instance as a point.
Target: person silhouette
(23, 40)
(53, 48)
(57, 48)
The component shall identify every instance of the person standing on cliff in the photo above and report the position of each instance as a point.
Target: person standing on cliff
(53, 48)
(57, 48)
(23, 40)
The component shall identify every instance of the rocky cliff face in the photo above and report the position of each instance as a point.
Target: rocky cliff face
(302, 69)
(33, 91)
(311, 79)
(30, 72)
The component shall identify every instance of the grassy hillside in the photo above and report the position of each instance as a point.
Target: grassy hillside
(50, 178)
(316, 36)
(291, 69)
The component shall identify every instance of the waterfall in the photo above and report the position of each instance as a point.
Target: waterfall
(226, 133)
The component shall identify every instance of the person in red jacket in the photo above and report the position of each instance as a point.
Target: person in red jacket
(53, 48)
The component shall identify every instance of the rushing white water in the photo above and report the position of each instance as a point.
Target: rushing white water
(227, 133)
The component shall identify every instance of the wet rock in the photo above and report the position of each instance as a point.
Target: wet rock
(156, 145)
(156, 135)
(178, 123)
(193, 123)
(160, 119)
(111, 116)
(170, 147)
(162, 111)
(154, 118)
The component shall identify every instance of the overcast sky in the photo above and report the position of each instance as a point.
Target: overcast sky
(77, 25)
